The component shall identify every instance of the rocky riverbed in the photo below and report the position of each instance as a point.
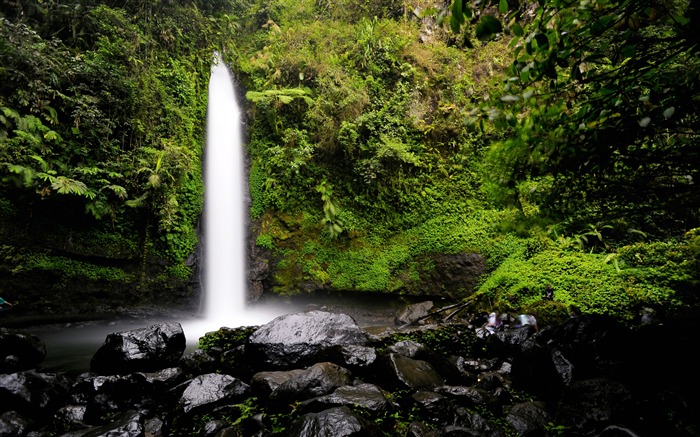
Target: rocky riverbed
(318, 373)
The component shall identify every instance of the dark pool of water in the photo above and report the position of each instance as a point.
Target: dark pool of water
(71, 345)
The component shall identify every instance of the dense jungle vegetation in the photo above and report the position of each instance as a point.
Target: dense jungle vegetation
(558, 139)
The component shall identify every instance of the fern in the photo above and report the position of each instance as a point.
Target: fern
(64, 185)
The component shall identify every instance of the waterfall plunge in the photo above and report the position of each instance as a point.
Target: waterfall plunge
(225, 220)
(224, 217)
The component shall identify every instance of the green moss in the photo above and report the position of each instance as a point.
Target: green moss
(225, 338)
(583, 280)
(72, 269)
(446, 340)
(178, 272)
(265, 241)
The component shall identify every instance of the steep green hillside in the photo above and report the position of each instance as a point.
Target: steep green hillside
(553, 142)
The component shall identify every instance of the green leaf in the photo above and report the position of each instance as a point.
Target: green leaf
(454, 24)
(64, 185)
(517, 29)
(503, 6)
(629, 50)
(457, 11)
(542, 41)
(487, 27)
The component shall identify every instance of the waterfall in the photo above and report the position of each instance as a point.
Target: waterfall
(224, 260)
(224, 202)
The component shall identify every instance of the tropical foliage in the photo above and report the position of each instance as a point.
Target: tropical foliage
(556, 138)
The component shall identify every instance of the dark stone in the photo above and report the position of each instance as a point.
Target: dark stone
(198, 362)
(433, 405)
(407, 348)
(459, 431)
(105, 395)
(420, 429)
(592, 404)
(210, 390)
(20, 351)
(470, 396)
(154, 427)
(317, 380)
(444, 366)
(617, 431)
(366, 396)
(529, 419)
(35, 395)
(534, 371)
(235, 362)
(264, 383)
(295, 339)
(140, 350)
(508, 341)
(13, 424)
(70, 418)
(412, 313)
(470, 419)
(489, 381)
(129, 424)
(406, 373)
(361, 360)
(593, 345)
(334, 422)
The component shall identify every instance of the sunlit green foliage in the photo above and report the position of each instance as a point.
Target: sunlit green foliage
(557, 139)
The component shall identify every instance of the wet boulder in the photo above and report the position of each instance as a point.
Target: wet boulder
(593, 345)
(211, 390)
(334, 422)
(20, 351)
(317, 380)
(369, 397)
(35, 395)
(295, 340)
(13, 424)
(198, 362)
(433, 405)
(471, 397)
(591, 404)
(70, 418)
(413, 313)
(534, 371)
(529, 418)
(163, 380)
(442, 365)
(477, 424)
(146, 349)
(107, 395)
(507, 342)
(129, 424)
(262, 384)
(403, 373)
(361, 360)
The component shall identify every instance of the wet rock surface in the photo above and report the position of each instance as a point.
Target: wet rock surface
(20, 351)
(589, 376)
(145, 349)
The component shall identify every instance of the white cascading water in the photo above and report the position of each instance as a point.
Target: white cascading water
(224, 217)
(224, 261)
